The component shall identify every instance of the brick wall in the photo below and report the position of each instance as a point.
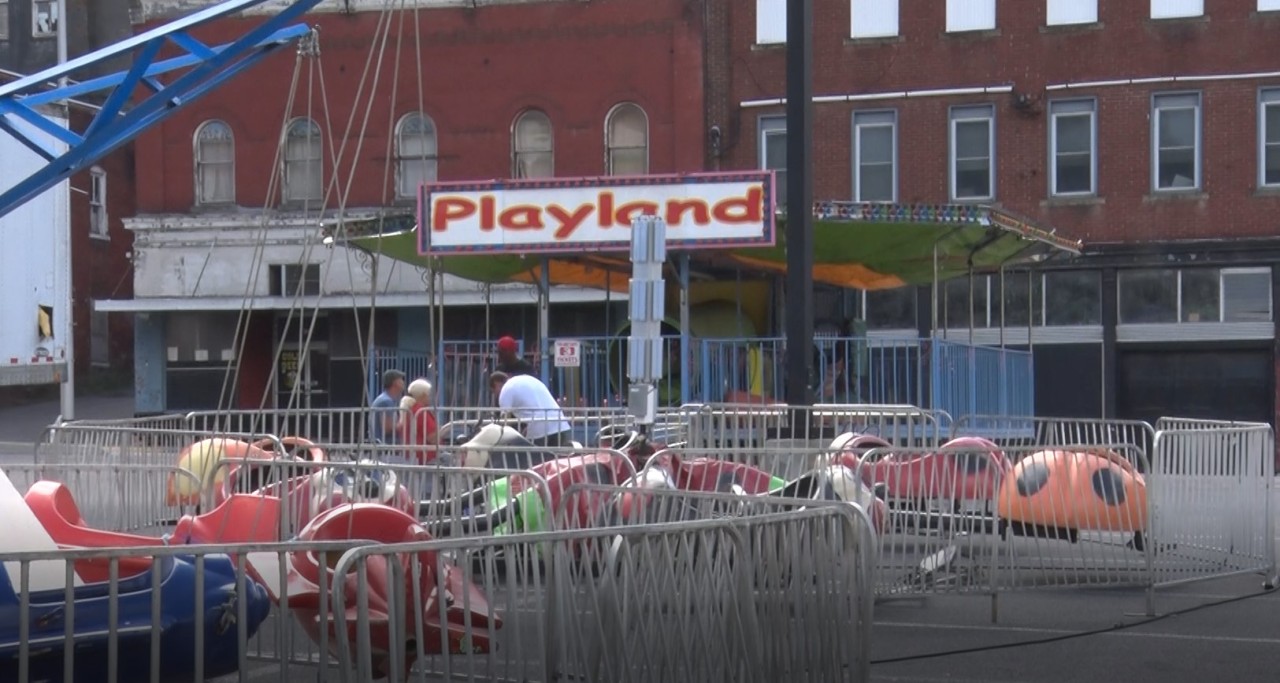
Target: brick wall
(101, 268)
(480, 68)
(1026, 55)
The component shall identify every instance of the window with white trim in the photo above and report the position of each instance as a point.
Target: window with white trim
(773, 155)
(970, 15)
(4, 19)
(1194, 295)
(771, 21)
(875, 142)
(215, 164)
(626, 132)
(973, 151)
(1175, 125)
(532, 146)
(1176, 9)
(44, 18)
(303, 162)
(1073, 148)
(1269, 5)
(1269, 138)
(1067, 12)
(98, 226)
(1056, 298)
(416, 154)
(873, 18)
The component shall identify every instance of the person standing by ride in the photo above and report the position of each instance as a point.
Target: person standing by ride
(420, 427)
(509, 361)
(385, 417)
(529, 400)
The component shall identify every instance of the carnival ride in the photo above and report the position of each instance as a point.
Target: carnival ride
(146, 597)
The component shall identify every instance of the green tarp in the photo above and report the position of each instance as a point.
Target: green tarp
(865, 246)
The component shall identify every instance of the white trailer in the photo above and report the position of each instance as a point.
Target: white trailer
(35, 269)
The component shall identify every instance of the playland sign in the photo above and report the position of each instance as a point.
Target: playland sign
(542, 216)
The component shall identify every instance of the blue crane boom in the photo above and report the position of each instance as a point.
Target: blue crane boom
(202, 69)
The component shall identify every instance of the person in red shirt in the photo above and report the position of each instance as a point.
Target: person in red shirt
(420, 428)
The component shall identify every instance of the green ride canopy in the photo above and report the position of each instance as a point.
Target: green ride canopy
(856, 245)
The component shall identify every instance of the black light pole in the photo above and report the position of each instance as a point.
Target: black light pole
(799, 283)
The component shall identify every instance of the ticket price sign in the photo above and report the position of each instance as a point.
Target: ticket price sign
(568, 353)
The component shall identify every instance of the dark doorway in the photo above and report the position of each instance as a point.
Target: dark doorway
(1220, 384)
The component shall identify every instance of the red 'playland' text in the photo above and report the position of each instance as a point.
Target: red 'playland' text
(605, 212)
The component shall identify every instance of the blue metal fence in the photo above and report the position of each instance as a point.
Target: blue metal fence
(962, 379)
(847, 370)
(967, 379)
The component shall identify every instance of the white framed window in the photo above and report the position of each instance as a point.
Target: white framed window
(1269, 137)
(970, 15)
(1246, 295)
(4, 19)
(1175, 150)
(773, 155)
(1176, 9)
(1194, 295)
(44, 18)
(875, 154)
(1269, 5)
(303, 162)
(98, 226)
(626, 140)
(1073, 148)
(771, 22)
(416, 154)
(215, 153)
(1067, 12)
(873, 18)
(532, 145)
(973, 152)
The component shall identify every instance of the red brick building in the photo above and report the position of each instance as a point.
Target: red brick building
(101, 256)
(515, 89)
(1151, 130)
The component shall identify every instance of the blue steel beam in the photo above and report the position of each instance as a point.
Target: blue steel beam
(113, 126)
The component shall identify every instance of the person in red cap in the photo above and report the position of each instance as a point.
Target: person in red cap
(509, 360)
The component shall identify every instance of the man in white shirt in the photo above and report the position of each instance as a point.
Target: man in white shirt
(526, 397)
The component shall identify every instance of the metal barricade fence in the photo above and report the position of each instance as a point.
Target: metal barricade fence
(448, 501)
(765, 598)
(755, 426)
(166, 421)
(333, 425)
(772, 597)
(73, 443)
(110, 497)
(1213, 491)
(1049, 431)
(971, 519)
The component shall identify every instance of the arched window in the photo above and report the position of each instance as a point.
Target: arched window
(532, 146)
(626, 137)
(415, 154)
(303, 162)
(215, 163)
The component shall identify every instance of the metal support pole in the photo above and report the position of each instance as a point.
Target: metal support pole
(68, 389)
(544, 317)
(799, 323)
(62, 40)
(685, 337)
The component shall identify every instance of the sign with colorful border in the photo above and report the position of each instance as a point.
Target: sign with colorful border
(703, 211)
